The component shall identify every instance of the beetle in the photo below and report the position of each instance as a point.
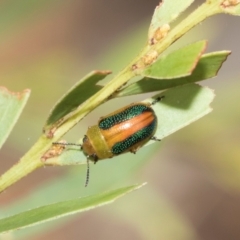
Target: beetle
(124, 130)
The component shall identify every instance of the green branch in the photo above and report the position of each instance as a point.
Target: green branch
(32, 159)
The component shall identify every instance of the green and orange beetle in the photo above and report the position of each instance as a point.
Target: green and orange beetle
(125, 130)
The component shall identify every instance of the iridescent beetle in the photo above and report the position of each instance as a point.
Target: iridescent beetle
(125, 130)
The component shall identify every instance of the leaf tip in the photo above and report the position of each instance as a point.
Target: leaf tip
(18, 95)
(102, 72)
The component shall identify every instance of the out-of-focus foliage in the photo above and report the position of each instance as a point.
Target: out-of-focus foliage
(11, 105)
(60, 209)
(41, 49)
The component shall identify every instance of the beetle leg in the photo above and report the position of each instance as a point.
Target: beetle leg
(158, 99)
(94, 157)
(134, 150)
(155, 138)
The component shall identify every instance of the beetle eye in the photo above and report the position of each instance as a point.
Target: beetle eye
(85, 138)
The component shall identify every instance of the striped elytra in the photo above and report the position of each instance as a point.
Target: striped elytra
(125, 130)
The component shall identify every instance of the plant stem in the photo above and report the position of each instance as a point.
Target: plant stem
(27, 164)
(32, 159)
(207, 9)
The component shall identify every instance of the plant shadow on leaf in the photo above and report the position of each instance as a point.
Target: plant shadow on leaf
(181, 97)
(207, 67)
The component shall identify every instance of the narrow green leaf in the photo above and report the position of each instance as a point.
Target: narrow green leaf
(177, 64)
(61, 209)
(11, 104)
(181, 106)
(72, 155)
(79, 93)
(166, 12)
(207, 67)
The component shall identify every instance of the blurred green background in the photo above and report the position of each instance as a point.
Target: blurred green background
(193, 176)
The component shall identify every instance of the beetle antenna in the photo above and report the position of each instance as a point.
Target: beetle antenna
(88, 171)
(65, 144)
